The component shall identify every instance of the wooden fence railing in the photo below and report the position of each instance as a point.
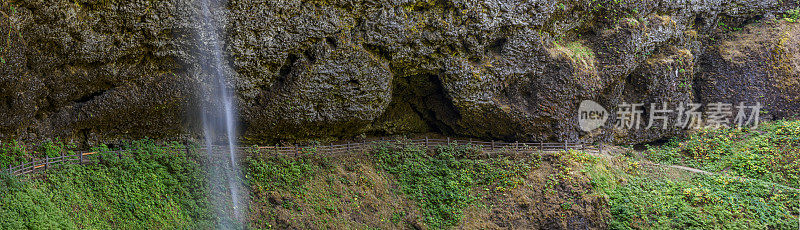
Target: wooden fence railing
(493, 147)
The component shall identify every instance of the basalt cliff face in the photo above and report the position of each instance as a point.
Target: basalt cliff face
(97, 71)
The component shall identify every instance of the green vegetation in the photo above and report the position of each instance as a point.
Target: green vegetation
(792, 15)
(156, 187)
(743, 196)
(281, 173)
(401, 186)
(442, 180)
(646, 197)
(656, 201)
(314, 192)
(13, 153)
(317, 192)
(578, 52)
(770, 153)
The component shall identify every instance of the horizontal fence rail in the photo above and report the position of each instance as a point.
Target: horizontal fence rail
(492, 147)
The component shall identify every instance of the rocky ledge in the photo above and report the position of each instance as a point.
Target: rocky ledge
(97, 71)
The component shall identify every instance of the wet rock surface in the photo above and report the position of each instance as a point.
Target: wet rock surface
(104, 71)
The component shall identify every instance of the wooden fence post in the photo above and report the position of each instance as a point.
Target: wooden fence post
(63, 156)
(46, 162)
(566, 147)
(516, 145)
(80, 158)
(427, 143)
(492, 145)
(600, 149)
(448, 140)
(541, 146)
(583, 146)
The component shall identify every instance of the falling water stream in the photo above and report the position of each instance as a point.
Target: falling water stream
(219, 124)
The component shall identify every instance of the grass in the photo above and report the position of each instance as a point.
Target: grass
(658, 199)
(578, 53)
(401, 186)
(397, 186)
(442, 180)
(642, 197)
(15, 153)
(702, 202)
(281, 173)
(770, 153)
(156, 188)
(311, 192)
(792, 15)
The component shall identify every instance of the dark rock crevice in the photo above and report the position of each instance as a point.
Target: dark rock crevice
(378, 51)
(284, 72)
(89, 97)
(419, 104)
(496, 47)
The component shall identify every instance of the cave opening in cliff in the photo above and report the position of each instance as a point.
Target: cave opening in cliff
(419, 105)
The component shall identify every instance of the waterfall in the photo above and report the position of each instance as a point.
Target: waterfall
(219, 124)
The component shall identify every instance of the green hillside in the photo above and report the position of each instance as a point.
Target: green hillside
(406, 186)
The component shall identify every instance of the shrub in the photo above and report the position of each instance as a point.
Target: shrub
(793, 15)
(280, 173)
(715, 202)
(771, 153)
(159, 186)
(13, 153)
(442, 179)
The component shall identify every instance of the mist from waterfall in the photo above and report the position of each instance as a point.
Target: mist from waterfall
(219, 124)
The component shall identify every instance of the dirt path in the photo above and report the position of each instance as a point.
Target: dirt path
(684, 168)
(694, 170)
(644, 160)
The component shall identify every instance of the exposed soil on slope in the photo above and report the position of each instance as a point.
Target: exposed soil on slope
(349, 192)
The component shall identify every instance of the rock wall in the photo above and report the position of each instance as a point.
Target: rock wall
(99, 71)
(760, 62)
